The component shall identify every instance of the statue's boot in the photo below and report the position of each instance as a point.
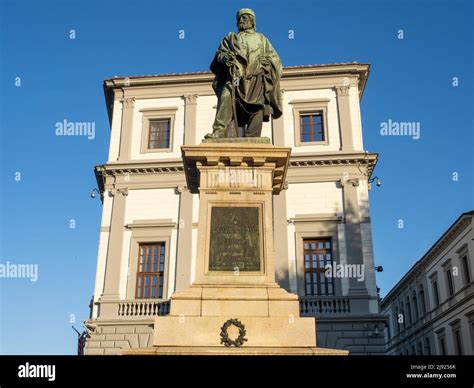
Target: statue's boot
(217, 133)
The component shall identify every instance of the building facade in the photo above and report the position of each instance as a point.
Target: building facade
(431, 309)
(148, 234)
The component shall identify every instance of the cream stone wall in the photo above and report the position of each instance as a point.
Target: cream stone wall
(172, 263)
(125, 264)
(115, 132)
(341, 240)
(292, 275)
(102, 249)
(205, 114)
(363, 196)
(193, 254)
(355, 118)
(195, 208)
(151, 204)
(368, 253)
(147, 205)
(267, 130)
(314, 198)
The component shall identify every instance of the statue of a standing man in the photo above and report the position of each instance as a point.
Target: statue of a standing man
(247, 80)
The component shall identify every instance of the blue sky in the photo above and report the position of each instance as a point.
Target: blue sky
(61, 78)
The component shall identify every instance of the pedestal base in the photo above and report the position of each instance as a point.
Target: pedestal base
(234, 305)
(242, 351)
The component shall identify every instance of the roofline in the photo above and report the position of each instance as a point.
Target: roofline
(395, 288)
(361, 69)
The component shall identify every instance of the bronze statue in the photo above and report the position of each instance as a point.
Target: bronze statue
(247, 81)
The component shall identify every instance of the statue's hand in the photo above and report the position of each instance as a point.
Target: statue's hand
(229, 60)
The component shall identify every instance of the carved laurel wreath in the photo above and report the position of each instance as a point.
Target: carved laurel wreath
(239, 341)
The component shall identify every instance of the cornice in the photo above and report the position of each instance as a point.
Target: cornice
(368, 160)
(175, 166)
(359, 70)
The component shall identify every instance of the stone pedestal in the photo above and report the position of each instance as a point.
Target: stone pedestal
(234, 296)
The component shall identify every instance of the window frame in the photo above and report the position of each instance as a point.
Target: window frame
(421, 297)
(448, 277)
(155, 114)
(441, 336)
(414, 301)
(304, 107)
(311, 226)
(457, 337)
(321, 286)
(160, 139)
(409, 319)
(427, 345)
(311, 115)
(436, 295)
(148, 231)
(160, 274)
(464, 259)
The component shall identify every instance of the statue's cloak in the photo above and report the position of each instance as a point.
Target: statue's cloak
(259, 72)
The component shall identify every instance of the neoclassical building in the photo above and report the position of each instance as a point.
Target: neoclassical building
(148, 231)
(431, 309)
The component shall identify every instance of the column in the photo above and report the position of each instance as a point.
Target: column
(185, 237)
(345, 124)
(190, 128)
(280, 238)
(125, 151)
(353, 234)
(278, 129)
(114, 250)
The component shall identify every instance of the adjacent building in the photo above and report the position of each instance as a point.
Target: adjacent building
(148, 232)
(431, 309)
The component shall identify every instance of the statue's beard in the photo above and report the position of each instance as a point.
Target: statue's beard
(245, 26)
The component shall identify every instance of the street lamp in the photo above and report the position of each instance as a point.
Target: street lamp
(377, 181)
(93, 193)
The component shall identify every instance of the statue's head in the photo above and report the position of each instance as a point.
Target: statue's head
(245, 19)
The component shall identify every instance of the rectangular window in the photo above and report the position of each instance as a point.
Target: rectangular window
(415, 305)
(159, 134)
(449, 281)
(422, 300)
(397, 324)
(151, 268)
(409, 318)
(465, 267)
(312, 127)
(442, 346)
(427, 347)
(317, 254)
(402, 312)
(458, 341)
(420, 348)
(435, 292)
